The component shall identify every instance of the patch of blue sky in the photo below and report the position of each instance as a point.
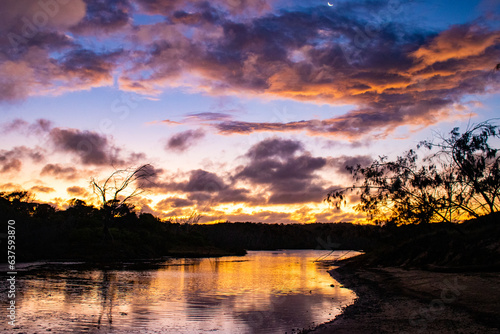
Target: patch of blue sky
(144, 19)
(439, 15)
(104, 44)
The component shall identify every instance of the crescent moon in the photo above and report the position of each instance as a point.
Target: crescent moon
(329, 4)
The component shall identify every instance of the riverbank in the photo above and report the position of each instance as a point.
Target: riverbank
(396, 300)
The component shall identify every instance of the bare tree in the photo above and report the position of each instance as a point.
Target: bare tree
(115, 193)
(193, 218)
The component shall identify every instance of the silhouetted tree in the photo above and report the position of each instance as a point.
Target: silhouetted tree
(474, 165)
(461, 179)
(18, 202)
(115, 192)
(398, 191)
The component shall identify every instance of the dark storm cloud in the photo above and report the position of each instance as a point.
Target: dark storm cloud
(201, 188)
(288, 176)
(183, 140)
(274, 147)
(104, 16)
(88, 65)
(281, 167)
(235, 195)
(90, 147)
(201, 180)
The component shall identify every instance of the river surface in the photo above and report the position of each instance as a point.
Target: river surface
(262, 292)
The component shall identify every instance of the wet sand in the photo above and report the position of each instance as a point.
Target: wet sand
(394, 300)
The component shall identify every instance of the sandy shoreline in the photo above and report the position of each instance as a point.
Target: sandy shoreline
(394, 300)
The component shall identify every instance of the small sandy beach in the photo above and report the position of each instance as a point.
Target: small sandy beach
(395, 300)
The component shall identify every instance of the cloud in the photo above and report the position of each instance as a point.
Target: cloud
(38, 127)
(201, 187)
(14, 125)
(165, 121)
(274, 147)
(278, 171)
(340, 163)
(259, 216)
(201, 180)
(36, 73)
(232, 194)
(173, 203)
(38, 56)
(26, 18)
(233, 6)
(11, 187)
(394, 74)
(89, 67)
(42, 189)
(59, 172)
(104, 16)
(11, 160)
(288, 177)
(209, 116)
(91, 147)
(458, 42)
(330, 57)
(77, 191)
(181, 141)
(10, 165)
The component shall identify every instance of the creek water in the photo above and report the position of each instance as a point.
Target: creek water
(262, 292)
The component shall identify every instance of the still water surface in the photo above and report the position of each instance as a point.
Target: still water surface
(262, 292)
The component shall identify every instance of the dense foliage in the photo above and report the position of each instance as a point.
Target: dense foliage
(458, 180)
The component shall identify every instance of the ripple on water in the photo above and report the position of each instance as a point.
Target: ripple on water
(263, 292)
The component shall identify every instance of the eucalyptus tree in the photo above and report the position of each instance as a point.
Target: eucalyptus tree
(458, 180)
(117, 190)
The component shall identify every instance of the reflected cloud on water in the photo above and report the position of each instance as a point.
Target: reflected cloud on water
(263, 292)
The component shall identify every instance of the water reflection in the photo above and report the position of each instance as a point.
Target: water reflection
(263, 292)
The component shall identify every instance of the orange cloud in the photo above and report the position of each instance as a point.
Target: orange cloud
(458, 42)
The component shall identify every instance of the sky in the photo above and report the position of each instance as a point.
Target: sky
(247, 110)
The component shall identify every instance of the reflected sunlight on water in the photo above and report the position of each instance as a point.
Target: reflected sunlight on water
(263, 292)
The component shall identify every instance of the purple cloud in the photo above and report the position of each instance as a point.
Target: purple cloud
(180, 142)
(59, 172)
